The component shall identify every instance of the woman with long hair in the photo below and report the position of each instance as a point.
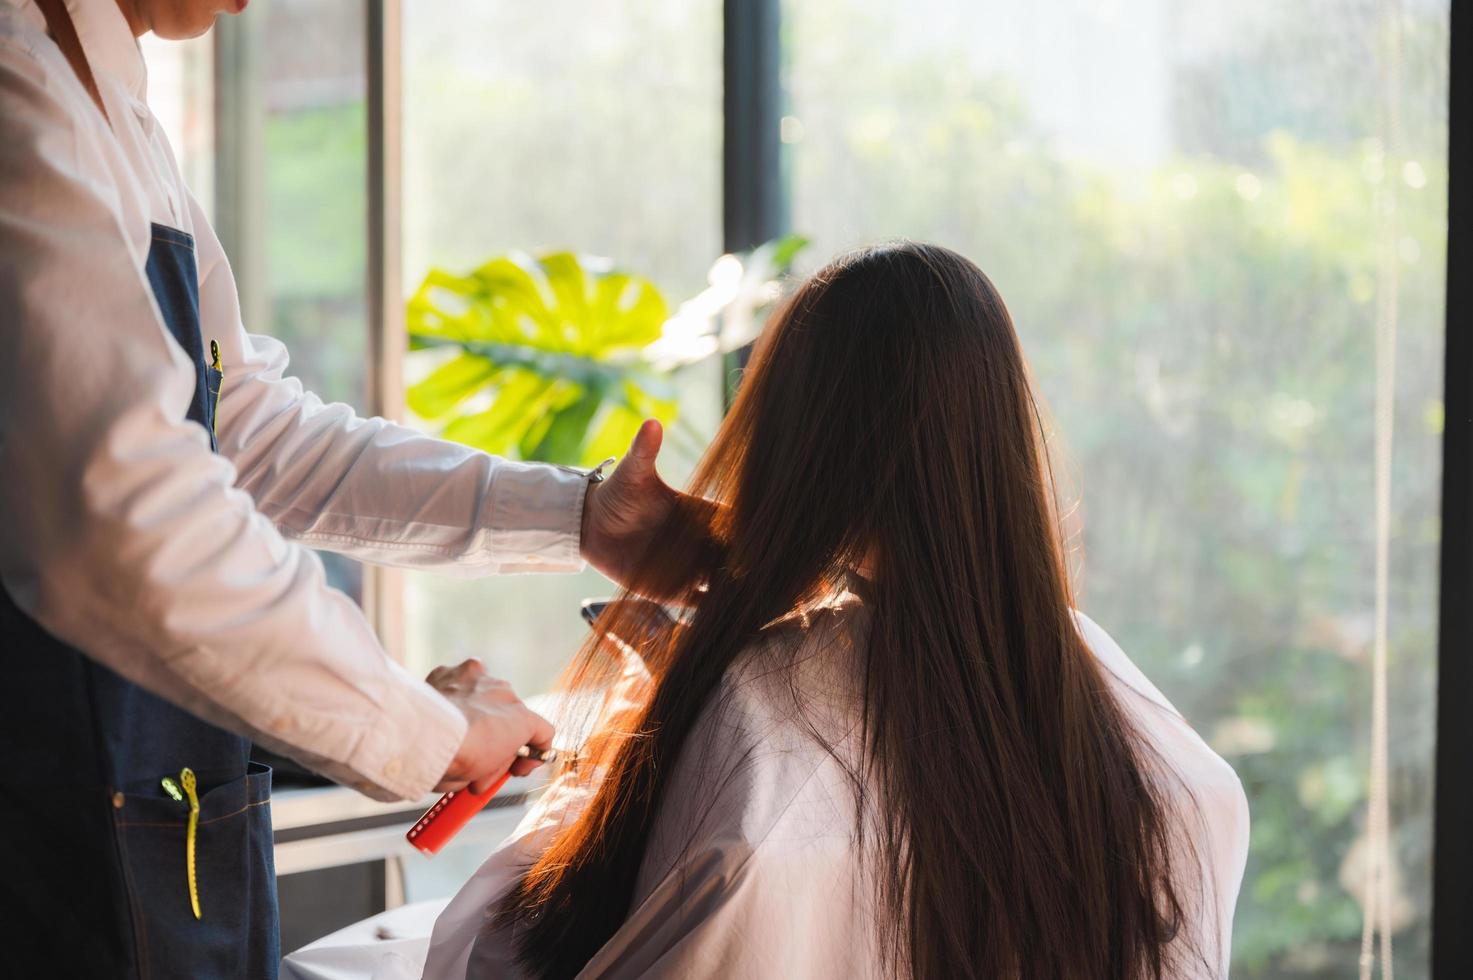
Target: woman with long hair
(880, 742)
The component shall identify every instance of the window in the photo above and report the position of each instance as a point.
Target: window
(1179, 203)
(1201, 215)
(525, 132)
(291, 209)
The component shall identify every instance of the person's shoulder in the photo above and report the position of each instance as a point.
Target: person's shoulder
(837, 623)
(1199, 777)
(34, 100)
(778, 728)
(802, 668)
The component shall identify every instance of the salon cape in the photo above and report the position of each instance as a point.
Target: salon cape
(752, 870)
(189, 572)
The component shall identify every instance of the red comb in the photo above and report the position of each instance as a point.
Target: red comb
(445, 819)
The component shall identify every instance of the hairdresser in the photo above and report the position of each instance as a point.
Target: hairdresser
(161, 481)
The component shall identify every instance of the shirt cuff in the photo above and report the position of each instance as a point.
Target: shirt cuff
(536, 517)
(410, 744)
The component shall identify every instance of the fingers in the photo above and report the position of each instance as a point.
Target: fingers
(466, 675)
(639, 463)
(542, 731)
(540, 736)
(523, 767)
(646, 444)
(471, 667)
(498, 724)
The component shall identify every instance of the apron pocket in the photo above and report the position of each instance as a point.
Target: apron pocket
(233, 874)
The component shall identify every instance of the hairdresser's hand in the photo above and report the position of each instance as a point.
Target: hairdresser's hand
(497, 724)
(634, 514)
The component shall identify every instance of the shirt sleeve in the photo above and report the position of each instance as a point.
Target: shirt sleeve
(366, 487)
(124, 535)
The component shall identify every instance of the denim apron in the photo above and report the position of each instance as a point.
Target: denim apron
(94, 871)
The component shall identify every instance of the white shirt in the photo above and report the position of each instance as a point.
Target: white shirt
(185, 571)
(752, 870)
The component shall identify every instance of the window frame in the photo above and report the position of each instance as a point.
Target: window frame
(754, 205)
(383, 588)
(1452, 843)
(754, 200)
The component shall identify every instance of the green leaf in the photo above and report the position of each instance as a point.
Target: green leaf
(561, 333)
(440, 305)
(785, 249)
(629, 312)
(560, 396)
(563, 438)
(612, 435)
(499, 428)
(450, 384)
(569, 287)
(516, 303)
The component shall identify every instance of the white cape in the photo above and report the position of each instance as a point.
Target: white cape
(752, 871)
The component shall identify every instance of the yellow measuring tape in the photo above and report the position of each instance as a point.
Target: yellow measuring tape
(219, 384)
(186, 778)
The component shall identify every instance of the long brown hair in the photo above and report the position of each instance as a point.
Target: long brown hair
(887, 416)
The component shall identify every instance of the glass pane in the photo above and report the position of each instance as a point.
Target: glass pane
(1179, 202)
(294, 216)
(316, 152)
(599, 134)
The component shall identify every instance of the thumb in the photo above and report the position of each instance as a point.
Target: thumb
(640, 460)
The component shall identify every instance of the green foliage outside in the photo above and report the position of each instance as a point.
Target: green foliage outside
(315, 253)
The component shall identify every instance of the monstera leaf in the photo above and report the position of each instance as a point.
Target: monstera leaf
(549, 361)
